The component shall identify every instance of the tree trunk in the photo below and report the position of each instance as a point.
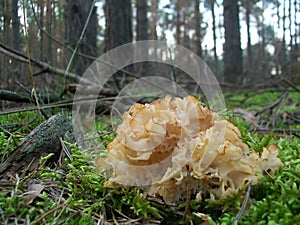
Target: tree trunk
(15, 25)
(5, 69)
(296, 23)
(186, 37)
(249, 47)
(141, 33)
(198, 28)
(141, 20)
(232, 49)
(263, 41)
(118, 23)
(76, 15)
(214, 33)
(178, 22)
(41, 21)
(154, 16)
(283, 53)
(90, 38)
(16, 40)
(42, 141)
(48, 41)
(118, 30)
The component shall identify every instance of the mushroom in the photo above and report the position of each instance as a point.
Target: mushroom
(169, 143)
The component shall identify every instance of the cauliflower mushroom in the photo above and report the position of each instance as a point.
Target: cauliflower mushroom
(170, 143)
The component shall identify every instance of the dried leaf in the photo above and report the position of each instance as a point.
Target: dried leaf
(33, 191)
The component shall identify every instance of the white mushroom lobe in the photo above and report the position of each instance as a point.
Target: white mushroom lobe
(168, 143)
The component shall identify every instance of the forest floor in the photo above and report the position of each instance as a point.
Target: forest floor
(73, 191)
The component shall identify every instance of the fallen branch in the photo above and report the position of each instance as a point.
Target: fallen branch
(63, 103)
(273, 105)
(42, 141)
(291, 84)
(277, 130)
(45, 67)
(7, 95)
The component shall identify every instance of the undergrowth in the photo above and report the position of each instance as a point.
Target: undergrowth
(77, 193)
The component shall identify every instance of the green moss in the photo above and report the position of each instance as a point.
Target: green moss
(75, 192)
(275, 200)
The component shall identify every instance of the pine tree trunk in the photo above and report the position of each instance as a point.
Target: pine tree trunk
(6, 79)
(48, 41)
(249, 47)
(16, 40)
(263, 41)
(118, 30)
(283, 53)
(198, 28)
(118, 23)
(141, 20)
(232, 50)
(76, 14)
(41, 21)
(141, 33)
(214, 33)
(15, 25)
(154, 16)
(178, 22)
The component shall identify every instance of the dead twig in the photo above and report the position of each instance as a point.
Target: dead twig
(50, 212)
(273, 105)
(278, 130)
(291, 84)
(44, 66)
(244, 205)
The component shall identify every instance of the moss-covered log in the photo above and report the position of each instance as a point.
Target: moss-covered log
(42, 141)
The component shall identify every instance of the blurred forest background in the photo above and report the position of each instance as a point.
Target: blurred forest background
(245, 43)
(252, 46)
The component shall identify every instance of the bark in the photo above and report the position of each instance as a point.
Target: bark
(290, 22)
(296, 23)
(178, 22)
(141, 32)
(118, 23)
(76, 15)
(16, 40)
(154, 15)
(263, 40)
(42, 141)
(7, 95)
(118, 31)
(283, 59)
(5, 37)
(232, 49)
(49, 30)
(142, 20)
(214, 32)
(249, 47)
(41, 19)
(198, 28)
(15, 25)
(186, 37)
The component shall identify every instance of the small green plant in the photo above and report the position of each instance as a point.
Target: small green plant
(84, 178)
(77, 193)
(14, 127)
(7, 145)
(275, 200)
